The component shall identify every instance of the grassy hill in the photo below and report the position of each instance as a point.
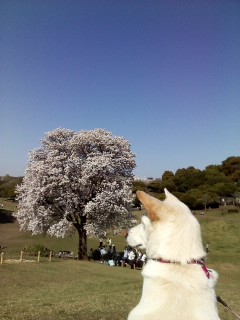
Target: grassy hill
(69, 289)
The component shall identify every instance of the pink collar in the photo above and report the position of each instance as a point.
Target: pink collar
(201, 262)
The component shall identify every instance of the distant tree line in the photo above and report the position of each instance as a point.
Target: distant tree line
(199, 189)
(8, 186)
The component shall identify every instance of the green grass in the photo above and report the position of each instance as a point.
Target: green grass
(85, 290)
(69, 289)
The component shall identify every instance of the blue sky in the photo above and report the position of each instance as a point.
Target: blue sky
(165, 75)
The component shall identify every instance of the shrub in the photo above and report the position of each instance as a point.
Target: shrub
(33, 250)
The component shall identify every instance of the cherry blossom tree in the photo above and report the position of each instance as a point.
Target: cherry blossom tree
(77, 181)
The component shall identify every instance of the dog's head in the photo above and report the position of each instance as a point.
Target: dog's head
(170, 231)
(138, 236)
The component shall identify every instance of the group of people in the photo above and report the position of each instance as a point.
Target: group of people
(133, 257)
(108, 255)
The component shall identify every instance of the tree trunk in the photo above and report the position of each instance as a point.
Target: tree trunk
(82, 240)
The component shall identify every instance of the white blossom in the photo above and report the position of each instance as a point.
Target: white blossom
(81, 179)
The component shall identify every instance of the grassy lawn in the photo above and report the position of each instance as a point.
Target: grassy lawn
(69, 289)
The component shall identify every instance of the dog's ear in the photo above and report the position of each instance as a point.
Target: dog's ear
(172, 198)
(150, 204)
(169, 195)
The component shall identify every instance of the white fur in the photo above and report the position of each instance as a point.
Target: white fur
(179, 290)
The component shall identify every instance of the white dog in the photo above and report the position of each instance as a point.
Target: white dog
(176, 283)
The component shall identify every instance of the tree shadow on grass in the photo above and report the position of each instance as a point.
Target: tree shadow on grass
(6, 216)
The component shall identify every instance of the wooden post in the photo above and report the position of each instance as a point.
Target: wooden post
(21, 256)
(38, 259)
(50, 256)
(2, 257)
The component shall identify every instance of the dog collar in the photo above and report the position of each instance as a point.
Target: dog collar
(200, 261)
